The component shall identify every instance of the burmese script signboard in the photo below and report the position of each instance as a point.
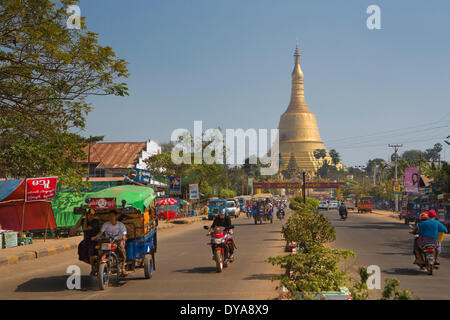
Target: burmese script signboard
(39, 189)
(297, 185)
(324, 185)
(102, 203)
(276, 185)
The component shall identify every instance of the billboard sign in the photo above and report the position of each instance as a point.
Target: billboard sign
(297, 185)
(140, 176)
(411, 180)
(324, 185)
(193, 192)
(175, 185)
(39, 189)
(276, 185)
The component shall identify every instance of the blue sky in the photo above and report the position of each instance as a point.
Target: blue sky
(229, 63)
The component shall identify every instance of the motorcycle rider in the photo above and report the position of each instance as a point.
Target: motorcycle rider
(428, 234)
(343, 211)
(417, 253)
(432, 214)
(280, 212)
(86, 249)
(118, 232)
(223, 220)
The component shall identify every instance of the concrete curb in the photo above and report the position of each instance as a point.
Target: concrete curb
(45, 252)
(31, 255)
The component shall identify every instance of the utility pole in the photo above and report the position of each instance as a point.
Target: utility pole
(89, 157)
(304, 187)
(396, 147)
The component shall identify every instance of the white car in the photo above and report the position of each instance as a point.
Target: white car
(323, 205)
(333, 205)
(233, 208)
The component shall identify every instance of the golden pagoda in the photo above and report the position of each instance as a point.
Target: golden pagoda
(298, 131)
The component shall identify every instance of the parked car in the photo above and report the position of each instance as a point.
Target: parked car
(333, 205)
(232, 208)
(323, 205)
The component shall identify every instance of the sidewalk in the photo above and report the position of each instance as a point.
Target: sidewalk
(387, 213)
(39, 248)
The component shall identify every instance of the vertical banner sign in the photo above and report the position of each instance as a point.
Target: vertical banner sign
(193, 192)
(411, 180)
(38, 189)
(175, 185)
(396, 187)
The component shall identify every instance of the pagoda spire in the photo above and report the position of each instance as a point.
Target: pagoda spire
(297, 103)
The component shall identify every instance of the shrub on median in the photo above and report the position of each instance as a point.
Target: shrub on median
(297, 204)
(308, 229)
(307, 275)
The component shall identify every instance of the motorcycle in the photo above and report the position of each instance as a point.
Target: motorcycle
(428, 253)
(280, 214)
(108, 263)
(428, 256)
(343, 215)
(220, 243)
(258, 215)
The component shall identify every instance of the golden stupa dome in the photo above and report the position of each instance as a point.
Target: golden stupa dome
(298, 132)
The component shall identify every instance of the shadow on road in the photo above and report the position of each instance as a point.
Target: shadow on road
(405, 272)
(54, 284)
(261, 276)
(59, 283)
(377, 226)
(203, 270)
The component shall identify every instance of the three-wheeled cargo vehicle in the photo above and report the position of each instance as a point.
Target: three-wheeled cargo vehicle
(365, 204)
(215, 206)
(134, 206)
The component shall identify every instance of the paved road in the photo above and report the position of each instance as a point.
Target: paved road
(384, 241)
(185, 270)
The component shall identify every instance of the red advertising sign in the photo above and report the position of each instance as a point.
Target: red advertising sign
(102, 203)
(38, 189)
(324, 185)
(296, 185)
(276, 185)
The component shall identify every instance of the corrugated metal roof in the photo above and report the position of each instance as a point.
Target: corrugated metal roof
(114, 155)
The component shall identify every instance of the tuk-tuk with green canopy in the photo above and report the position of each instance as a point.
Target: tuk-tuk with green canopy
(135, 207)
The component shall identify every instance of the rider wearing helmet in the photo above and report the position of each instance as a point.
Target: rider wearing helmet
(428, 234)
(423, 216)
(433, 216)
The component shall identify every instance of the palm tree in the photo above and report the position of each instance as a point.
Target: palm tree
(335, 157)
(320, 153)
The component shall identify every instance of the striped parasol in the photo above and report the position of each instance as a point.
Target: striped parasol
(167, 201)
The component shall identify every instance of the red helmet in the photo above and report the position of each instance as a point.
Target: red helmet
(424, 216)
(431, 213)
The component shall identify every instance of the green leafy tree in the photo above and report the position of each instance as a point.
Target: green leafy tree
(46, 73)
(433, 154)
